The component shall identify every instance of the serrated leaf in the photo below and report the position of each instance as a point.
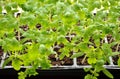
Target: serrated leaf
(45, 64)
(31, 71)
(83, 47)
(64, 52)
(92, 60)
(22, 75)
(16, 63)
(61, 38)
(88, 32)
(107, 73)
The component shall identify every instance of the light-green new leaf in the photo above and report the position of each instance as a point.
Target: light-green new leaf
(92, 60)
(16, 63)
(19, 1)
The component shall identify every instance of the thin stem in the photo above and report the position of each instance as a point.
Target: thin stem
(77, 1)
(84, 59)
(111, 40)
(18, 36)
(50, 16)
(117, 47)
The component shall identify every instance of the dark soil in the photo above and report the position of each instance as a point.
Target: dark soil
(115, 59)
(80, 59)
(1, 53)
(56, 61)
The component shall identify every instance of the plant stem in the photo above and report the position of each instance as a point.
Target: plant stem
(111, 40)
(18, 36)
(117, 47)
(84, 59)
(77, 1)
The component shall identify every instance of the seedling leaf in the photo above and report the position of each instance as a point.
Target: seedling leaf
(107, 73)
(118, 62)
(92, 60)
(16, 63)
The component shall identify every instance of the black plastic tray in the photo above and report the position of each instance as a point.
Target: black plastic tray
(10, 73)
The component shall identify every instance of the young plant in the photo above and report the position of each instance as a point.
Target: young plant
(30, 30)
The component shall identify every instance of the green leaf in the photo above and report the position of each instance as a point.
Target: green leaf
(19, 1)
(22, 75)
(96, 75)
(115, 53)
(83, 47)
(61, 38)
(7, 61)
(16, 63)
(107, 73)
(12, 44)
(42, 48)
(77, 55)
(87, 69)
(82, 14)
(8, 8)
(106, 48)
(64, 52)
(92, 60)
(118, 62)
(31, 71)
(97, 4)
(45, 64)
(88, 32)
(88, 76)
(62, 55)
(0, 9)
(14, 5)
(100, 62)
(97, 42)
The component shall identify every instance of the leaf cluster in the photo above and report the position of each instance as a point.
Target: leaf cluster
(29, 30)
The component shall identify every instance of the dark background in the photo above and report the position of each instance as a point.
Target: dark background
(56, 74)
